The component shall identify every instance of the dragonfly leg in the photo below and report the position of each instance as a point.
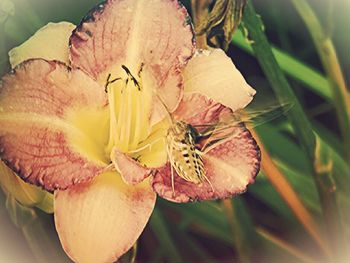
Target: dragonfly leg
(211, 186)
(172, 180)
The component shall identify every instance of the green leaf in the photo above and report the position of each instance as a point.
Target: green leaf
(19, 214)
(329, 59)
(292, 67)
(208, 215)
(161, 231)
(241, 226)
(278, 82)
(43, 240)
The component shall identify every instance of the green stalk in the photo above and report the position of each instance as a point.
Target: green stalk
(43, 240)
(292, 67)
(329, 59)
(236, 230)
(278, 81)
(278, 242)
(323, 166)
(38, 230)
(161, 231)
(296, 115)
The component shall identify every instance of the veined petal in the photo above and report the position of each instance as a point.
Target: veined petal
(198, 109)
(99, 221)
(39, 138)
(229, 165)
(50, 42)
(136, 33)
(212, 73)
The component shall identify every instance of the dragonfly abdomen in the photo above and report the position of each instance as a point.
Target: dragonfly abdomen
(184, 157)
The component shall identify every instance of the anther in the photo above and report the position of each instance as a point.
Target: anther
(136, 83)
(108, 81)
(140, 70)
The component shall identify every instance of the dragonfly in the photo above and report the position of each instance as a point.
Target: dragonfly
(182, 140)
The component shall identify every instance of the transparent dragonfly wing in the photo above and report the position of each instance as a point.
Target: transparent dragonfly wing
(229, 126)
(249, 117)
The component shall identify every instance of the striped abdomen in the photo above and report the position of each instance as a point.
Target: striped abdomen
(183, 155)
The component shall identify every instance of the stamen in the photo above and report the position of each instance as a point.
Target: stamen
(140, 70)
(113, 120)
(138, 126)
(126, 119)
(129, 111)
(108, 82)
(121, 117)
(136, 83)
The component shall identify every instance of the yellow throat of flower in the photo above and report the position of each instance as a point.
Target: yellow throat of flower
(124, 123)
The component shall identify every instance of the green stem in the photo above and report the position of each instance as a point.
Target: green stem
(329, 59)
(292, 67)
(323, 166)
(236, 231)
(278, 81)
(161, 231)
(296, 115)
(276, 241)
(43, 241)
(38, 230)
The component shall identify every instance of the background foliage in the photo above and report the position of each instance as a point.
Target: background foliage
(298, 209)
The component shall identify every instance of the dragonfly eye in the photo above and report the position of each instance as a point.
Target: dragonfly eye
(192, 131)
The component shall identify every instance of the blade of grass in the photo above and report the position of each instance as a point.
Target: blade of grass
(193, 247)
(329, 59)
(278, 81)
(273, 138)
(324, 166)
(161, 231)
(288, 194)
(43, 240)
(305, 186)
(208, 215)
(236, 230)
(267, 194)
(38, 231)
(209, 219)
(293, 68)
(285, 246)
(283, 91)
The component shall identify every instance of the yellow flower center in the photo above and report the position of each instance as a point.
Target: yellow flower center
(124, 123)
(129, 110)
(130, 98)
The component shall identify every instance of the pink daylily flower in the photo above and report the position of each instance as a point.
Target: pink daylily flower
(88, 121)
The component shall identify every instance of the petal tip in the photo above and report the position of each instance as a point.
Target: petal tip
(131, 171)
(39, 46)
(88, 219)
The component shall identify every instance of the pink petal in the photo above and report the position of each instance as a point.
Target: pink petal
(99, 221)
(131, 171)
(230, 166)
(212, 73)
(34, 133)
(135, 33)
(198, 109)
